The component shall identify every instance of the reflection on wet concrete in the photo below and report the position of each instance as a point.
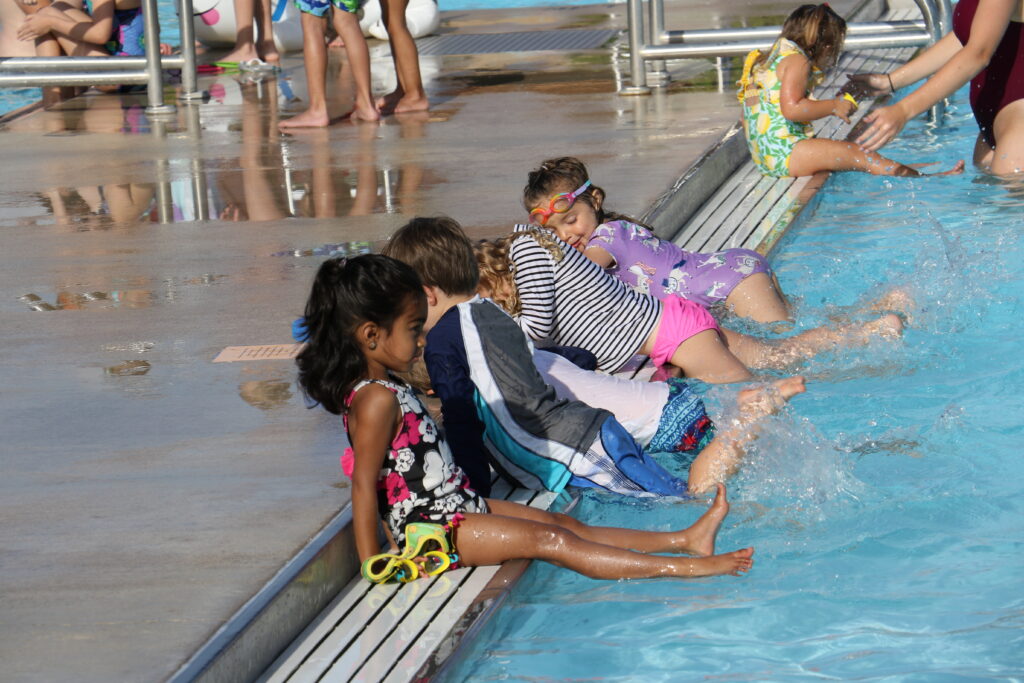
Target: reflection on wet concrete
(129, 367)
(270, 177)
(265, 394)
(330, 250)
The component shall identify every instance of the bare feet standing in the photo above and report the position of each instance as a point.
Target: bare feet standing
(397, 102)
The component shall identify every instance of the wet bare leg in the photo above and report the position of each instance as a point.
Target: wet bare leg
(759, 298)
(816, 154)
(721, 458)
(245, 33)
(706, 357)
(697, 539)
(347, 27)
(265, 24)
(314, 52)
(780, 353)
(490, 539)
(409, 96)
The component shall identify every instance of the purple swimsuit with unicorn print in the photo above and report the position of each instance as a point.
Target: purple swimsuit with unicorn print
(660, 268)
(419, 481)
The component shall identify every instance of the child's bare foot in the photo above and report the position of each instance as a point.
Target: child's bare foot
(700, 537)
(734, 563)
(307, 119)
(398, 102)
(268, 53)
(894, 301)
(889, 326)
(769, 399)
(957, 169)
(364, 112)
(241, 54)
(336, 42)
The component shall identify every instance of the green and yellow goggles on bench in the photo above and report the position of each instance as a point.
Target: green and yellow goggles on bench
(424, 541)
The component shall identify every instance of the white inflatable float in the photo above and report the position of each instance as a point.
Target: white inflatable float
(215, 21)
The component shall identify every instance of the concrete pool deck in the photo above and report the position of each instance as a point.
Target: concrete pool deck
(148, 492)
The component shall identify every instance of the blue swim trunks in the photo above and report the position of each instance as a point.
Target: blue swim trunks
(684, 426)
(318, 8)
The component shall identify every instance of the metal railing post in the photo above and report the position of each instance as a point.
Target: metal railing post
(931, 16)
(637, 68)
(656, 36)
(945, 8)
(200, 204)
(164, 196)
(189, 86)
(155, 81)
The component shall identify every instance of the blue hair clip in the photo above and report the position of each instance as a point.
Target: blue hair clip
(300, 332)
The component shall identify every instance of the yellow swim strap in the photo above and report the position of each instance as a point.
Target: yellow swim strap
(748, 66)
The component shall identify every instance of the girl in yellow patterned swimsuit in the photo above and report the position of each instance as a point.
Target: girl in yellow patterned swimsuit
(778, 108)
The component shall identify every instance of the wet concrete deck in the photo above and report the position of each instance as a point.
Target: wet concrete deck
(147, 492)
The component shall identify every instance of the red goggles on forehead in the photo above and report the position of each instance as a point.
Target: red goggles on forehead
(560, 203)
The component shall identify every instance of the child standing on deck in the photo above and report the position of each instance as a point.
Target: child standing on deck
(409, 95)
(777, 105)
(365, 319)
(314, 53)
(741, 279)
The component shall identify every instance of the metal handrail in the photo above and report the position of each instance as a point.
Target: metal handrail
(23, 72)
(720, 35)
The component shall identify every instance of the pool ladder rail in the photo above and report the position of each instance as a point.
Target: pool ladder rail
(29, 72)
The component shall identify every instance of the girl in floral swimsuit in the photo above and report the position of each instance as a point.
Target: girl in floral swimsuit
(777, 106)
(365, 318)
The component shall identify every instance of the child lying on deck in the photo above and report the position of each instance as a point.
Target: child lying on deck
(560, 196)
(365, 318)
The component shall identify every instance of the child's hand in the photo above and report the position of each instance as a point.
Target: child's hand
(843, 107)
(35, 25)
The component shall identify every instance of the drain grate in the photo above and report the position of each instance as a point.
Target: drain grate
(525, 41)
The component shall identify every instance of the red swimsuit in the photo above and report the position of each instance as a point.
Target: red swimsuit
(1002, 81)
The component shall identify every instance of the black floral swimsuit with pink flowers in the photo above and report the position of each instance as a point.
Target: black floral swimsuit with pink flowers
(419, 481)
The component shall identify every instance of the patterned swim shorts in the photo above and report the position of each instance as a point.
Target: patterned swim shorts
(318, 8)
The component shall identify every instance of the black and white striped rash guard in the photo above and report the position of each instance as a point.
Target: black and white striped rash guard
(573, 302)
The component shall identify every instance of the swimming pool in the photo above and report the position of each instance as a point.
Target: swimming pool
(884, 504)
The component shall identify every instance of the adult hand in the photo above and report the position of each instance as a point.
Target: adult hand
(35, 25)
(866, 85)
(885, 124)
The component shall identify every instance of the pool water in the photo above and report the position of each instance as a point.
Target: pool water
(884, 504)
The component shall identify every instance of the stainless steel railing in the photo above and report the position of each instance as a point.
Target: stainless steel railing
(27, 72)
(650, 44)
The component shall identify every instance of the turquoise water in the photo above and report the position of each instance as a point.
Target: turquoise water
(884, 504)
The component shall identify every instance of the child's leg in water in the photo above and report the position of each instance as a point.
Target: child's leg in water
(777, 354)
(706, 357)
(759, 298)
(722, 456)
(816, 154)
(514, 531)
